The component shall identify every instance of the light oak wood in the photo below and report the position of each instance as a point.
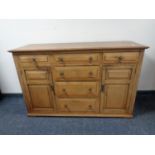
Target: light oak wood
(77, 89)
(126, 57)
(35, 75)
(134, 83)
(82, 79)
(115, 96)
(118, 73)
(34, 61)
(76, 73)
(41, 97)
(80, 114)
(80, 46)
(31, 58)
(76, 59)
(78, 105)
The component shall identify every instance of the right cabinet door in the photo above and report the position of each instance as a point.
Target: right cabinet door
(117, 88)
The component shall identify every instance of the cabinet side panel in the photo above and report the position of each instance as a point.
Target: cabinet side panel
(135, 83)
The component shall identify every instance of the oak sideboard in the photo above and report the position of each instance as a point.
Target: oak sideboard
(97, 79)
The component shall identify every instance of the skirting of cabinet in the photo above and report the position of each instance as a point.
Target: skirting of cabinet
(79, 115)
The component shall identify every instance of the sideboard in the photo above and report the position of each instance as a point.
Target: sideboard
(93, 79)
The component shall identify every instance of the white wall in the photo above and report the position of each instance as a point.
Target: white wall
(14, 33)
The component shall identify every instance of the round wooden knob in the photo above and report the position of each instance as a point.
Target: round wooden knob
(35, 62)
(61, 59)
(64, 90)
(90, 59)
(61, 74)
(120, 58)
(66, 106)
(90, 90)
(90, 106)
(34, 59)
(90, 74)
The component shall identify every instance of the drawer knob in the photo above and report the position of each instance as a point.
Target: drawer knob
(90, 74)
(66, 107)
(90, 59)
(62, 74)
(61, 59)
(35, 62)
(90, 90)
(120, 58)
(90, 107)
(64, 90)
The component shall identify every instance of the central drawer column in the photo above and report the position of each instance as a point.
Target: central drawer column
(77, 82)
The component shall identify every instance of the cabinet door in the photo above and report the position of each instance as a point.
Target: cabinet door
(115, 98)
(41, 97)
(117, 83)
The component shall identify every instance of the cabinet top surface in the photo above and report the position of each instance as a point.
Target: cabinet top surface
(80, 46)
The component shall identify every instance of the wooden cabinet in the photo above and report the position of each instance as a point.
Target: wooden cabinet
(80, 79)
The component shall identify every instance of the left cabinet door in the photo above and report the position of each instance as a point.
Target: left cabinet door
(42, 98)
(39, 85)
(35, 75)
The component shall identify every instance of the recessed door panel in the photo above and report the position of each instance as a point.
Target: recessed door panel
(41, 97)
(116, 96)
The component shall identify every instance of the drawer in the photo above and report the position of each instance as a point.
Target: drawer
(80, 59)
(77, 89)
(76, 73)
(127, 57)
(33, 60)
(78, 105)
(41, 76)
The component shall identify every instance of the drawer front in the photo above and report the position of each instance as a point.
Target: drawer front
(126, 57)
(33, 60)
(76, 73)
(80, 59)
(77, 89)
(78, 105)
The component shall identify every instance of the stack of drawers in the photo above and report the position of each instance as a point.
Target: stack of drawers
(77, 79)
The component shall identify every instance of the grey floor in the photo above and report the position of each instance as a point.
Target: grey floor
(13, 120)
